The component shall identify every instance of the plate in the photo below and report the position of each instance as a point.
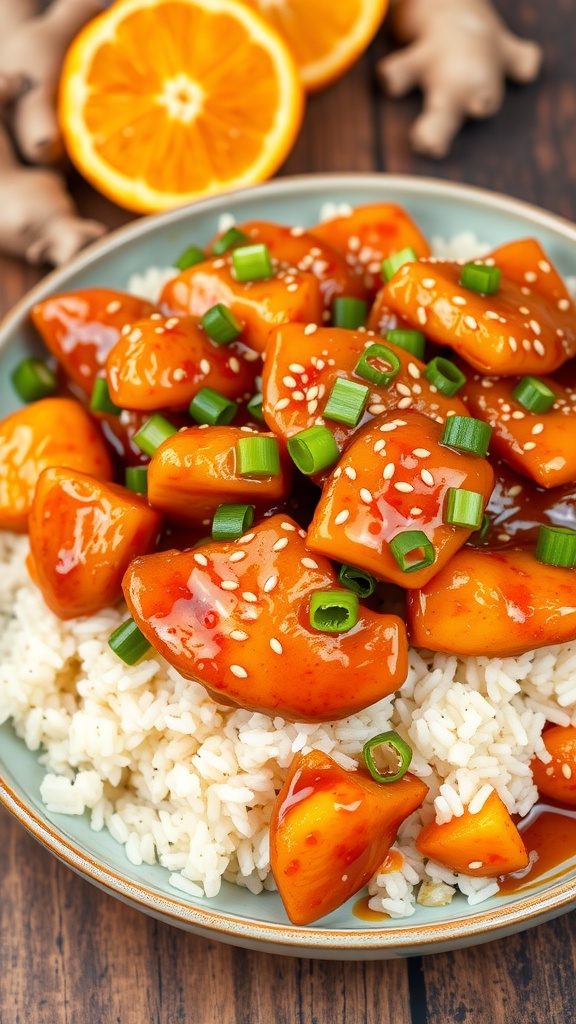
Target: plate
(235, 915)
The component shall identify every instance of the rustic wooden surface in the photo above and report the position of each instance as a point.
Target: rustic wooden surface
(71, 954)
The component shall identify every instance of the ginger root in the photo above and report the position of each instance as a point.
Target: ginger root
(38, 219)
(32, 47)
(460, 53)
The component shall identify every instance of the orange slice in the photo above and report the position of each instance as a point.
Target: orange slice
(325, 36)
(163, 102)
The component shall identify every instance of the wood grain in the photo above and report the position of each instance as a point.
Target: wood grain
(70, 954)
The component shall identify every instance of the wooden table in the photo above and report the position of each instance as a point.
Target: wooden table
(69, 953)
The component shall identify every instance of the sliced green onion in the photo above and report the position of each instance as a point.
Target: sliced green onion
(534, 395)
(189, 258)
(356, 580)
(334, 611)
(406, 548)
(397, 260)
(33, 379)
(382, 378)
(258, 455)
(137, 479)
(485, 526)
(228, 240)
(479, 278)
(255, 407)
(153, 433)
(464, 508)
(349, 312)
(220, 324)
(379, 751)
(128, 642)
(210, 407)
(556, 545)
(445, 376)
(467, 434)
(313, 450)
(101, 401)
(231, 521)
(346, 402)
(412, 341)
(252, 262)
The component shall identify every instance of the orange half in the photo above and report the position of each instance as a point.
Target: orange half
(325, 36)
(163, 102)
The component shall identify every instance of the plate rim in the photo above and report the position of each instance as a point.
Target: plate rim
(481, 925)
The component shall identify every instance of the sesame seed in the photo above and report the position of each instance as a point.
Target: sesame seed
(566, 771)
(310, 328)
(415, 511)
(426, 477)
(550, 770)
(380, 444)
(297, 368)
(530, 276)
(234, 364)
(288, 526)
(421, 453)
(312, 393)
(366, 496)
(276, 646)
(535, 327)
(126, 329)
(403, 486)
(298, 396)
(237, 556)
(309, 563)
(136, 334)
(513, 343)
(337, 472)
(539, 347)
(320, 364)
(351, 472)
(376, 409)
(281, 404)
(354, 243)
(537, 428)
(459, 300)
(155, 316)
(388, 471)
(524, 310)
(504, 537)
(421, 315)
(387, 427)
(529, 446)
(342, 517)
(471, 323)
(280, 544)
(413, 371)
(239, 634)
(249, 597)
(158, 330)
(289, 382)
(544, 266)
(238, 671)
(205, 366)
(218, 264)
(475, 864)
(564, 304)
(270, 584)
(403, 389)
(179, 373)
(526, 344)
(246, 538)
(428, 282)
(229, 585)
(491, 315)
(200, 559)
(312, 406)
(296, 232)
(518, 415)
(405, 403)
(114, 306)
(515, 490)
(292, 287)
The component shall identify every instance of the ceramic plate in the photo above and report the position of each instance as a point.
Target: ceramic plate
(236, 915)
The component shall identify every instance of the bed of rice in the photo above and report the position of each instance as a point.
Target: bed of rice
(189, 783)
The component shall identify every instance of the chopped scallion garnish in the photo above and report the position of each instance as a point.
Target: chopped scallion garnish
(556, 545)
(220, 324)
(189, 258)
(397, 260)
(381, 354)
(445, 376)
(258, 455)
(334, 611)
(387, 757)
(349, 312)
(209, 406)
(231, 521)
(346, 402)
(101, 401)
(252, 262)
(356, 580)
(153, 433)
(128, 642)
(534, 395)
(313, 450)
(255, 407)
(137, 479)
(412, 550)
(464, 508)
(477, 277)
(229, 240)
(33, 379)
(467, 434)
(412, 341)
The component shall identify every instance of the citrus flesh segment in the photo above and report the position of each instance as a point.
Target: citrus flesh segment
(325, 36)
(166, 101)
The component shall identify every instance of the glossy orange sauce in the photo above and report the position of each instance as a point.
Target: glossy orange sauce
(360, 908)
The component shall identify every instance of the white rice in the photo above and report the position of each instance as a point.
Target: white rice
(182, 781)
